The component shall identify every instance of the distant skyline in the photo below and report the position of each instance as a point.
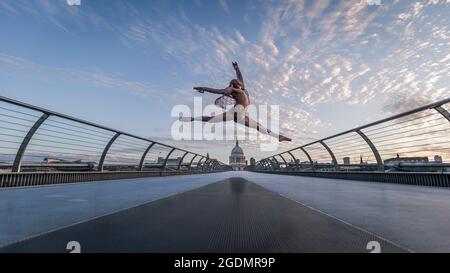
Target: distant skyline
(330, 65)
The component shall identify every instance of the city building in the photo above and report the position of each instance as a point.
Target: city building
(346, 160)
(170, 161)
(237, 158)
(411, 159)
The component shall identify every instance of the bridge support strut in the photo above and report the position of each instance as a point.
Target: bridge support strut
(26, 141)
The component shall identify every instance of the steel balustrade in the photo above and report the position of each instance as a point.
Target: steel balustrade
(443, 112)
(167, 157)
(141, 164)
(413, 178)
(333, 158)
(199, 163)
(284, 160)
(26, 141)
(181, 160)
(307, 155)
(192, 160)
(396, 130)
(105, 151)
(374, 150)
(61, 135)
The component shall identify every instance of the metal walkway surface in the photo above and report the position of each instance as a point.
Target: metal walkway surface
(233, 215)
(413, 217)
(26, 212)
(416, 217)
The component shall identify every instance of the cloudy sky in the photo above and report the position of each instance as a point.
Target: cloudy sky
(330, 65)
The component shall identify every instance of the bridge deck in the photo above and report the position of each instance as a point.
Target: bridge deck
(233, 215)
(317, 215)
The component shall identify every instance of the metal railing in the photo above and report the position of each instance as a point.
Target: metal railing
(431, 179)
(37, 140)
(414, 141)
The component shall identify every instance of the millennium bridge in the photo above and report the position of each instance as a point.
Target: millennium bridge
(70, 185)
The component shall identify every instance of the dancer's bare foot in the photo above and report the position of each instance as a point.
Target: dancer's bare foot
(283, 138)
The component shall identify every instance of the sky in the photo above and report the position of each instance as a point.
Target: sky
(329, 65)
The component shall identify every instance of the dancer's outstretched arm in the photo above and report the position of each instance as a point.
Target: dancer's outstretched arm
(226, 91)
(239, 74)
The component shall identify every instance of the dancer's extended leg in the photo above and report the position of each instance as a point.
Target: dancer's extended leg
(222, 117)
(256, 125)
(238, 115)
(201, 118)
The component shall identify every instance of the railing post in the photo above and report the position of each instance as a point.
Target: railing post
(167, 157)
(293, 157)
(285, 162)
(23, 146)
(198, 163)
(262, 163)
(295, 160)
(141, 163)
(272, 163)
(257, 165)
(309, 157)
(374, 150)
(204, 164)
(212, 165)
(192, 160)
(333, 158)
(181, 160)
(216, 164)
(275, 163)
(269, 163)
(443, 112)
(208, 166)
(278, 164)
(105, 151)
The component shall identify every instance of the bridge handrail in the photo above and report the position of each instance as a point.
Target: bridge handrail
(45, 114)
(272, 162)
(56, 114)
